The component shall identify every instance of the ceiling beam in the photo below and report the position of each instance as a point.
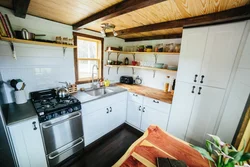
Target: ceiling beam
(20, 7)
(169, 36)
(123, 7)
(240, 13)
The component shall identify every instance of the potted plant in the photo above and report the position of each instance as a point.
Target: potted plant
(221, 154)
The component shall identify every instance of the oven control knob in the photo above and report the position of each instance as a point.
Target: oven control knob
(48, 117)
(70, 110)
(76, 108)
(63, 112)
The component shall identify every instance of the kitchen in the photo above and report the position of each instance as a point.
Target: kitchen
(54, 129)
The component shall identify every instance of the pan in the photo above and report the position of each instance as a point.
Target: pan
(25, 34)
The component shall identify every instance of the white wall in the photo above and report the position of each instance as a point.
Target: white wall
(40, 67)
(238, 95)
(147, 75)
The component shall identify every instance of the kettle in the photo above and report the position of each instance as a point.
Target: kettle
(62, 92)
(138, 80)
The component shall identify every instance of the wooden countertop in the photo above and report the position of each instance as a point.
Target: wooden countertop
(148, 92)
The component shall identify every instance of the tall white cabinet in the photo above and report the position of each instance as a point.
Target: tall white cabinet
(206, 61)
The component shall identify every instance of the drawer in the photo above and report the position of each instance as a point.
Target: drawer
(135, 97)
(94, 105)
(157, 105)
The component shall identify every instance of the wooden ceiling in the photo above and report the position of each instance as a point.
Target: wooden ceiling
(128, 14)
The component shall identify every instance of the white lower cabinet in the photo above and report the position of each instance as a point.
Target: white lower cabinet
(151, 116)
(27, 142)
(134, 113)
(102, 116)
(149, 111)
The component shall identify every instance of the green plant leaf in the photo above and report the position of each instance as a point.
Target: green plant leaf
(218, 147)
(217, 140)
(245, 157)
(225, 149)
(209, 146)
(230, 164)
(203, 152)
(238, 156)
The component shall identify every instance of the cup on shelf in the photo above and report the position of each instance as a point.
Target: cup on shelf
(65, 40)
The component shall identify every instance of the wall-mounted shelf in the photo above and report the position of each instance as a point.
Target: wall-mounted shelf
(118, 53)
(140, 67)
(14, 40)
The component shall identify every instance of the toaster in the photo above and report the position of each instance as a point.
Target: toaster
(126, 80)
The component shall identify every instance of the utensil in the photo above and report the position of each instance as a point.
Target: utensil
(13, 83)
(25, 34)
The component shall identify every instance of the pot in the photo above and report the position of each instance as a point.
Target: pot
(62, 92)
(25, 34)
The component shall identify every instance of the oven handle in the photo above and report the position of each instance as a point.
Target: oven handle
(79, 141)
(56, 123)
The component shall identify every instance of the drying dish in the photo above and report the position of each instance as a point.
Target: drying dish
(159, 65)
(170, 67)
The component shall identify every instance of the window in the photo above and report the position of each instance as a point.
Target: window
(89, 52)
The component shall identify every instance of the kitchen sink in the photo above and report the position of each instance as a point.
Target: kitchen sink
(99, 92)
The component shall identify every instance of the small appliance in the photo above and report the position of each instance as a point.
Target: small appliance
(126, 79)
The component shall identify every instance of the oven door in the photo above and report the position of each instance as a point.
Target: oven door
(62, 131)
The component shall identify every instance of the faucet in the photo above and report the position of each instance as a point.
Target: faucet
(94, 86)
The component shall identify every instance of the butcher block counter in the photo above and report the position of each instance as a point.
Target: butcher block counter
(148, 92)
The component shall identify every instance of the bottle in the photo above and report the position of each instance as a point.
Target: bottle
(126, 61)
(166, 85)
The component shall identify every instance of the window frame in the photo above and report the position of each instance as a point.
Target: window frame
(75, 35)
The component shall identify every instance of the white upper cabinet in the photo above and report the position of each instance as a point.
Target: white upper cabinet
(184, 96)
(220, 53)
(205, 112)
(192, 50)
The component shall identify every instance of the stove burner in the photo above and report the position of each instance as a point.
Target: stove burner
(49, 106)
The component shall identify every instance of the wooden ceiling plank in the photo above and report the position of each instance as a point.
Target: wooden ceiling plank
(20, 7)
(235, 14)
(116, 10)
(169, 36)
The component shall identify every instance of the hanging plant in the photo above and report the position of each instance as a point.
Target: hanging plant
(221, 154)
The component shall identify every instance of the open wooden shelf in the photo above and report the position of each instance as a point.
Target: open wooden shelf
(162, 53)
(36, 42)
(141, 67)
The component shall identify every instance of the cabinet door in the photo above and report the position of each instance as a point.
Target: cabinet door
(134, 113)
(117, 114)
(192, 52)
(204, 115)
(181, 109)
(95, 125)
(151, 116)
(28, 145)
(221, 49)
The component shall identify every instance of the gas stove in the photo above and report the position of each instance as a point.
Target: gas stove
(49, 106)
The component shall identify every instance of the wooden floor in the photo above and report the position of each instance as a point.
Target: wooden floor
(107, 151)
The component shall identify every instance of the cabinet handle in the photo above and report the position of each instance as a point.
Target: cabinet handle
(202, 77)
(199, 90)
(193, 89)
(139, 108)
(195, 78)
(143, 109)
(107, 111)
(135, 95)
(155, 101)
(34, 125)
(110, 109)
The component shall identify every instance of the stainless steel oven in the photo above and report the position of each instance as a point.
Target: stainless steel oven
(62, 136)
